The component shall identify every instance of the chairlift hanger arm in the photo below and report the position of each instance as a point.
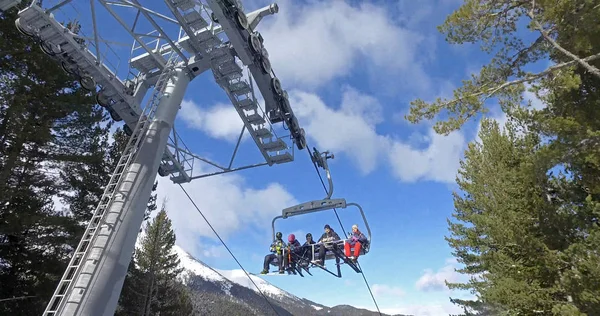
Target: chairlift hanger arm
(320, 160)
(309, 207)
(362, 213)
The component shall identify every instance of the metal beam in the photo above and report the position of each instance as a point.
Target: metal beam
(138, 6)
(229, 170)
(161, 31)
(94, 25)
(158, 59)
(58, 5)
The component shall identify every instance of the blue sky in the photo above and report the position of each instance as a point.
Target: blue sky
(351, 69)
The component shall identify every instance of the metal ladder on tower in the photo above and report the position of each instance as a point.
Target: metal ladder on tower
(82, 251)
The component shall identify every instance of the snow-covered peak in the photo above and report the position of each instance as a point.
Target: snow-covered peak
(196, 267)
(226, 277)
(239, 277)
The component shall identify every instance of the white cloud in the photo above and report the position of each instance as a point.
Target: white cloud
(383, 290)
(227, 202)
(351, 129)
(309, 45)
(420, 14)
(344, 130)
(432, 309)
(220, 121)
(438, 162)
(212, 251)
(435, 281)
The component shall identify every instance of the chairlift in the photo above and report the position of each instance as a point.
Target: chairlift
(335, 249)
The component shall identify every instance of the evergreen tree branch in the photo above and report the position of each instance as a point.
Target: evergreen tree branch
(491, 91)
(521, 54)
(547, 37)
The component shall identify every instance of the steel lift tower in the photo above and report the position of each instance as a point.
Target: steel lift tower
(214, 35)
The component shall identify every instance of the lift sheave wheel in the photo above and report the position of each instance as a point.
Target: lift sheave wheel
(162, 172)
(102, 100)
(255, 44)
(265, 65)
(241, 19)
(22, 30)
(69, 68)
(114, 115)
(47, 49)
(276, 85)
(301, 141)
(87, 83)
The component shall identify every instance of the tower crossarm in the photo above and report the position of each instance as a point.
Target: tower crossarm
(121, 98)
(248, 46)
(71, 51)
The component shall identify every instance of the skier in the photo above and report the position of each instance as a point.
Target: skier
(357, 240)
(276, 253)
(329, 236)
(293, 249)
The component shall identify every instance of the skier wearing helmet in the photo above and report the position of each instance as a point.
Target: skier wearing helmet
(277, 253)
(292, 250)
(293, 243)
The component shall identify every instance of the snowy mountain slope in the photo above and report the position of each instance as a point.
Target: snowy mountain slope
(238, 289)
(236, 285)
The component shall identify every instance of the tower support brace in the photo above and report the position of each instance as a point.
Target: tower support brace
(125, 216)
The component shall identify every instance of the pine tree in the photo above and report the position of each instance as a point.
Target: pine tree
(34, 95)
(516, 242)
(571, 122)
(492, 236)
(152, 286)
(563, 240)
(53, 138)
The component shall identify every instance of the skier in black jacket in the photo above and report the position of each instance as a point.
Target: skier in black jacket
(329, 236)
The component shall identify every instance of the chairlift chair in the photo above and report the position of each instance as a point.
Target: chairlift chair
(335, 249)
